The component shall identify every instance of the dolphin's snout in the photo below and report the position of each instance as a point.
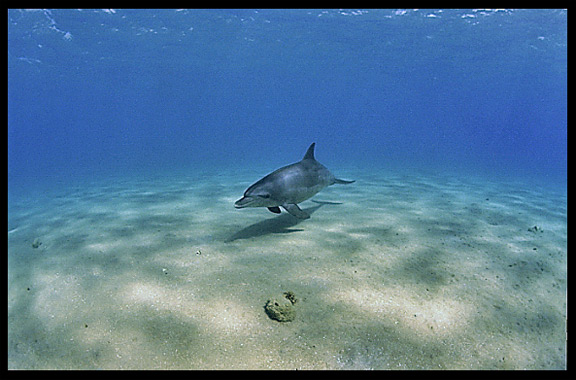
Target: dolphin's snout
(241, 202)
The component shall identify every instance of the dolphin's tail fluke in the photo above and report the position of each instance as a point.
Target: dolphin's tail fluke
(327, 202)
(343, 182)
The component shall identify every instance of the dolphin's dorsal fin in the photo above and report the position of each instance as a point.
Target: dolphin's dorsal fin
(310, 153)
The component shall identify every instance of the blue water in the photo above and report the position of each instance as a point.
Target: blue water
(132, 132)
(96, 93)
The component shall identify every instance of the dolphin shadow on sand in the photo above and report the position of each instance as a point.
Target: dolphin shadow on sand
(280, 225)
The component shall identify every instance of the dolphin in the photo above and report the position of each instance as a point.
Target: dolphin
(290, 185)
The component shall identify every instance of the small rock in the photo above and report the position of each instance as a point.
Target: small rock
(290, 296)
(536, 229)
(36, 243)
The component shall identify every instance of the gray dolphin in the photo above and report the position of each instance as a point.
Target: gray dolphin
(289, 186)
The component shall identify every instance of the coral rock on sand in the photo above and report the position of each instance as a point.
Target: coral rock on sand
(282, 309)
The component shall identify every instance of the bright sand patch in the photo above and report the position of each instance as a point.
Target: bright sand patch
(408, 272)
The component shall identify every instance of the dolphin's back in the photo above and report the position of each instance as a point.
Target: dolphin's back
(323, 171)
(299, 181)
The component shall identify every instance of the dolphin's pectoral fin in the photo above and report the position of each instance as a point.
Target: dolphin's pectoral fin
(294, 210)
(275, 210)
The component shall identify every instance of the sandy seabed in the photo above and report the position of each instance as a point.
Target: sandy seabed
(409, 271)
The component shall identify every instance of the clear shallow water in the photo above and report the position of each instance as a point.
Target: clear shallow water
(132, 132)
(102, 91)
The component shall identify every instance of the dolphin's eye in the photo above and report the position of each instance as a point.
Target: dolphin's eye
(264, 196)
